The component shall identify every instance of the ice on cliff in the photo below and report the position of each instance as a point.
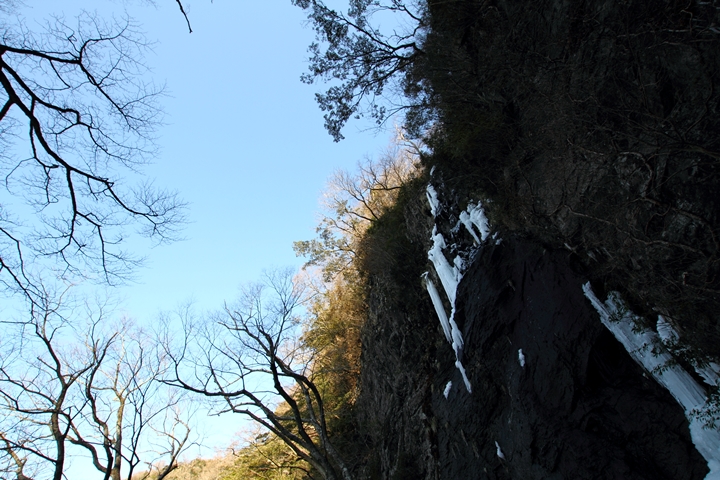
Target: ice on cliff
(646, 348)
(475, 221)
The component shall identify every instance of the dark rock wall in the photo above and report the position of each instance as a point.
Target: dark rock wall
(579, 409)
(592, 127)
(593, 124)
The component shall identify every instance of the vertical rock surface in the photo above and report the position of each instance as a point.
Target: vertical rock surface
(580, 407)
(589, 127)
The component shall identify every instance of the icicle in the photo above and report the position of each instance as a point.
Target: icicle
(478, 218)
(446, 272)
(456, 336)
(439, 307)
(474, 218)
(432, 197)
(499, 452)
(646, 349)
(448, 387)
(465, 219)
(459, 366)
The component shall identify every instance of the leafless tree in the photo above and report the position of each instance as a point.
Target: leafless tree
(73, 389)
(249, 361)
(352, 201)
(76, 114)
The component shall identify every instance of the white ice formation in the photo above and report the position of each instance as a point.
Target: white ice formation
(433, 200)
(474, 218)
(499, 452)
(450, 274)
(647, 349)
(448, 387)
(437, 303)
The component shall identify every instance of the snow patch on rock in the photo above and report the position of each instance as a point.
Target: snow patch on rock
(499, 451)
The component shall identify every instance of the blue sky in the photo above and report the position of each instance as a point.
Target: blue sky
(243, 143)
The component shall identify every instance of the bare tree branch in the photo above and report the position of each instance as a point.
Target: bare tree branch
(233, 357)
(76, 108)
(353, 201)
(182, 10)
(85, 385)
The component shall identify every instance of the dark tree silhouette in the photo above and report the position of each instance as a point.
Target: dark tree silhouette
(250, 361)
(182, 10)
(76, 114)
(366, 61)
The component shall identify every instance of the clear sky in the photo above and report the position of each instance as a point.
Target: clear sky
(243, 143)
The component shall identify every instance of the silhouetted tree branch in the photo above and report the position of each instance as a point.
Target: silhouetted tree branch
(248, 359)
(72, 387)
(76, 112)
(366, 60)
(182, 10)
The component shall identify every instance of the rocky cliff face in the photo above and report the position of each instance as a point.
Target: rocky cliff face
(593, 124)
(580, 407)
(592, 128)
